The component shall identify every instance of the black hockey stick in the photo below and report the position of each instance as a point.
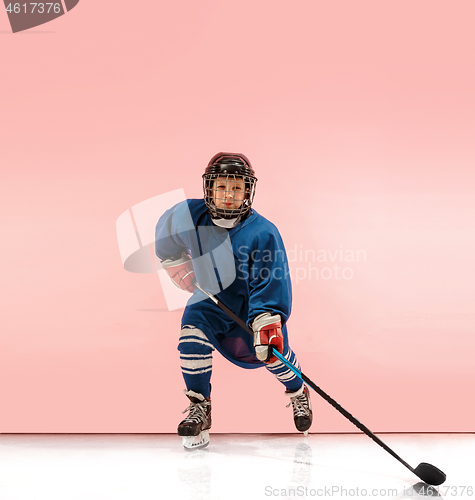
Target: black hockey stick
(427, 472)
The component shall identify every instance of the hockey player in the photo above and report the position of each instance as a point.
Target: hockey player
(259, 293)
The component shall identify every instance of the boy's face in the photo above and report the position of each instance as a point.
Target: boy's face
(228, 192)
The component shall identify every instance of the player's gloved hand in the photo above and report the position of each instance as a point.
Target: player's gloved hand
(267, 331)
(181, 272)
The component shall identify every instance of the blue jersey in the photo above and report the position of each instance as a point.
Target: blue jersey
(255, 279)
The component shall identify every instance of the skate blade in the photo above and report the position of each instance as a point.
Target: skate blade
(196, 442)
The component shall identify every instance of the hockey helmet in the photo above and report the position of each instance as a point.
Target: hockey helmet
(231, 168)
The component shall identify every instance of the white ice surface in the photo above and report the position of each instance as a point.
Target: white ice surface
(234, 466)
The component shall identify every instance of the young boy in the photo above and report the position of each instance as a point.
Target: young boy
(254, 282)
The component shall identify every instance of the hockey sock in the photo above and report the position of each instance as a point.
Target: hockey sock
(196, 360)
(285, 375)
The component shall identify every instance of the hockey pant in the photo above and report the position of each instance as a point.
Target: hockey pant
(196, 363)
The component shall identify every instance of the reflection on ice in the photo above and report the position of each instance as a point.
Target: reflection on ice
(234, 466)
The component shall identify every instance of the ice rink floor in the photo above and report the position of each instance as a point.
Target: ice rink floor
(234, 466)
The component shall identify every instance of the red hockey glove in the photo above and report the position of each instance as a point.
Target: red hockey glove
(267, 331)
(181, 272)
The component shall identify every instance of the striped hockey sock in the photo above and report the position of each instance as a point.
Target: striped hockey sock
(196, 360)
(285, 375)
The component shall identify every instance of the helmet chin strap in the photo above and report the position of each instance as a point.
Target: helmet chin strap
(226, 223)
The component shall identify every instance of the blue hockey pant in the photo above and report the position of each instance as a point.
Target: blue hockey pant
(196, 363)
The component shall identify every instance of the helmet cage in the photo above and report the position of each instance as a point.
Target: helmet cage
(211, 194)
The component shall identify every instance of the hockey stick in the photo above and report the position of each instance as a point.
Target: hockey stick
(427, 472)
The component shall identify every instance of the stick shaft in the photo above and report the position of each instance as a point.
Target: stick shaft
(225, 309)
(338, 407)
(314, 386)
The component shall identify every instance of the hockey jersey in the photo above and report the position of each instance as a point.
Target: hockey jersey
(246, 267)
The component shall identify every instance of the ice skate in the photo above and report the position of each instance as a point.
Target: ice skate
(300, 401)
(194, 430)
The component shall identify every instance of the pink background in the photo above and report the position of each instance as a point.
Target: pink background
(359, 118)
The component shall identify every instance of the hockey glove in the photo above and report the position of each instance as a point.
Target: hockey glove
(181, 272)
(267, 331)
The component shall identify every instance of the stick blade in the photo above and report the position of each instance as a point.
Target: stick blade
(429, 474)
